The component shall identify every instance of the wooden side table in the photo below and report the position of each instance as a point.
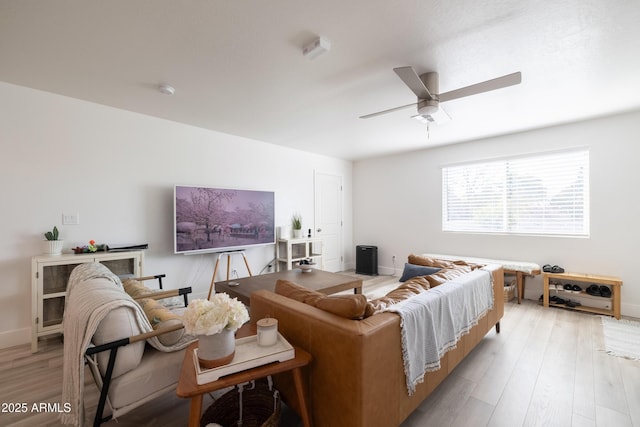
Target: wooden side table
(188, 387)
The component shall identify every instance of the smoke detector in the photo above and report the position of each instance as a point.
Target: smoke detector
(316, 48)
(166, 89)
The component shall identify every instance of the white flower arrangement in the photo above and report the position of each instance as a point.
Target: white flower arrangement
(204, 317)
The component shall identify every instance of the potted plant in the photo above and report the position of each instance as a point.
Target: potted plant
(215, 323)
(53, 245)
(296, 225)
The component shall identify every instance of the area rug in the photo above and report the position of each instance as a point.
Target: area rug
(621, 337)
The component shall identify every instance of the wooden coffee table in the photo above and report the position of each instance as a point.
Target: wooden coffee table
(318, 280)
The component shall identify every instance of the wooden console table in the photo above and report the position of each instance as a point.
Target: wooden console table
(188, 387)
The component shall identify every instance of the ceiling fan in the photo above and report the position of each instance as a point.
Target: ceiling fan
(425, 86)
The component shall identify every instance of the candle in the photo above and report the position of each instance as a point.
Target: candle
(267, 332)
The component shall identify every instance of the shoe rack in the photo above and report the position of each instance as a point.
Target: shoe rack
(583, 281)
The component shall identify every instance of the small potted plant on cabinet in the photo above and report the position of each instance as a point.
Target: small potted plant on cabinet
(296, 225)
(53, 245)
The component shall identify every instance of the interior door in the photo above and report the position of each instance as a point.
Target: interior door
(328, 218)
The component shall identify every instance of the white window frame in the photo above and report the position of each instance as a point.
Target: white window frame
(534, 194)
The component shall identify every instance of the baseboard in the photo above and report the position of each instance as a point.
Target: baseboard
(15, 337)
(630, 310)
(386, 271)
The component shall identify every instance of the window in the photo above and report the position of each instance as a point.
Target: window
(538, 194)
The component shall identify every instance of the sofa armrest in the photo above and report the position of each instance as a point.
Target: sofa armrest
(132, 339)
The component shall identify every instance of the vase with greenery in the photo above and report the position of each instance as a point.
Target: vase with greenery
(296, 225)
(53, 243)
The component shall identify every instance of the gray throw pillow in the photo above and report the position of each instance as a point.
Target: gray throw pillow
(413, 270)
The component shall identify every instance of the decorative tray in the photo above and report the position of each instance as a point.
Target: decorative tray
(248, 355)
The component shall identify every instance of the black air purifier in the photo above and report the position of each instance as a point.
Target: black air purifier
(367, 260)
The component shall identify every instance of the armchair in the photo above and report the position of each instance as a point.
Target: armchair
(108, 329)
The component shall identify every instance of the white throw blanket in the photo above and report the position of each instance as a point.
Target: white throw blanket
(93, 291)
(433, 321)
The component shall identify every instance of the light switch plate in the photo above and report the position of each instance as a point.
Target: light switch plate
(70, 219)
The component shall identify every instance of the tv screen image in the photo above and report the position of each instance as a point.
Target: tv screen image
(209, 219)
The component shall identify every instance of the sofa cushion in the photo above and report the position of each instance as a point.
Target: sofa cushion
(411, 287)
(347, 306)
(161, 317)
(429, 262)
(413, 270)
(298, 292)
(158, 373)
(117, 324)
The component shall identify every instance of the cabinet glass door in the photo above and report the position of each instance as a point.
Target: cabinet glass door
(55, 277)
(121, 267)
(52, 311)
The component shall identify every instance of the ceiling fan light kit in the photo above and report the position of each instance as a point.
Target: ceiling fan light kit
(438, 117)
(316, 48)
(428, 107)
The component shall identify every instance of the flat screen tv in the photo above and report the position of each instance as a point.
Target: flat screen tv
(209, 219)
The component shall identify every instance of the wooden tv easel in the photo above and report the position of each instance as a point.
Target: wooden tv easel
(215, 269)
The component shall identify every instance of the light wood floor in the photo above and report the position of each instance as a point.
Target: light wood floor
(545, 368)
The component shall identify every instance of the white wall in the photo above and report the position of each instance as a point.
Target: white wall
(397, 203)
(117, 170)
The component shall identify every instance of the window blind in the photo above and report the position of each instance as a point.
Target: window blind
(537, 194)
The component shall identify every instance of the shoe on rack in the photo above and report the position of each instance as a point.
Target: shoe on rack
(548, 268)
(594, 290)
(576, 289)
(568, 288)
(573, 304)
(605, 292)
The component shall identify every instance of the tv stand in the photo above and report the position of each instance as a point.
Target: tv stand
(215, 269)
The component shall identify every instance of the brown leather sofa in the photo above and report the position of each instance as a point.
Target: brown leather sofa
(356, 377)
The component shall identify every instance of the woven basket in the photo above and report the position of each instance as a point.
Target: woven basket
(509, 291)
(260, 407)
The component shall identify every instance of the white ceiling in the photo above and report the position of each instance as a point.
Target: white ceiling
(238, 67)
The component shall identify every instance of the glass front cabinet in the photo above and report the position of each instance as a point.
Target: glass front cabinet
(50, 274)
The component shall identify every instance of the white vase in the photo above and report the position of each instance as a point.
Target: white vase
(53, 247)
(297, 234)
(217, 349)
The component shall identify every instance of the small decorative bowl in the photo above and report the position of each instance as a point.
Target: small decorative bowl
(306, 268)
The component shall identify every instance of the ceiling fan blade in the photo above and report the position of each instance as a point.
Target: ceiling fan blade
(489, 85)
(412, 79)
(379, 113)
